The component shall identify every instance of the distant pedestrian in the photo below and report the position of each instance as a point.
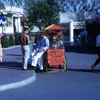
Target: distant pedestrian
(98, 52)
(75, 38)
(1, 52)
(86, 35)
(82, 38)
(25, 41)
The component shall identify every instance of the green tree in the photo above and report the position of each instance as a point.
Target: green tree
(79, 5)
(17, 39)
(5, 41)
(42, 14)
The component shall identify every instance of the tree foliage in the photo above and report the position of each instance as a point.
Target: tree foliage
(5, 41)
(13, 2)
(43, 15)
(65, 5)
(17, 39)
(83, 8)
(79, 5)
(11, 40)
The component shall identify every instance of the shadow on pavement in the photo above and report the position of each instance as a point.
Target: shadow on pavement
(14, 55)
(11, 65)
(87, 49)
(84, 70)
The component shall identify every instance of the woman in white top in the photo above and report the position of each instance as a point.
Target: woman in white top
(98, 52)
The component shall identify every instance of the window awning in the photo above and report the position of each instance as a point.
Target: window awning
(2, 20)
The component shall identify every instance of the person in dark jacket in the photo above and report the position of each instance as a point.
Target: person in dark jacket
(98, 52)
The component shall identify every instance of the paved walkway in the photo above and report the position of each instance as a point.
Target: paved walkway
(11, 73)
(80, 58)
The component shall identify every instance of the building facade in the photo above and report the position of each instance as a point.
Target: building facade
(13, 17)
(72, 24)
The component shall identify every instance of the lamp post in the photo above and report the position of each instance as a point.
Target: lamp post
(71, 31)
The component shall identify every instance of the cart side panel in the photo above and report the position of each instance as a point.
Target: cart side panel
(56, 57)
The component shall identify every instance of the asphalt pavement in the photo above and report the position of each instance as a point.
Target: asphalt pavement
(78, 83)
(11, 73)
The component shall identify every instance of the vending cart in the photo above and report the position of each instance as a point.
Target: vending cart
(56, 52)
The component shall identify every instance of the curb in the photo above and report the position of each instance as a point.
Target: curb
(11, 47)
(18, 84)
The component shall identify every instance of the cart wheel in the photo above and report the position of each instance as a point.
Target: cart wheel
(45, 62)
(60, 66)
(65, 66)
(46, 66)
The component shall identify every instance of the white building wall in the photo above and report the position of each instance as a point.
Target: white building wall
(71, 31)
(15, 12)
(66, 17)
(9, 29)
(71, 19)
(18, 26)
(0, 29)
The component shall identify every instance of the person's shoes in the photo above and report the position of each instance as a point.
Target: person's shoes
(33, 67)
(41, 71)
(37, 70)
(92, 66)
(30, 67)
(24, 69)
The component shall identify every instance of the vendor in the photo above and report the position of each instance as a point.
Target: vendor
(43, 45)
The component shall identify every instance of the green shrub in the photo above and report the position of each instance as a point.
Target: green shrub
(11, 40)
(17, 42)
(5, 41)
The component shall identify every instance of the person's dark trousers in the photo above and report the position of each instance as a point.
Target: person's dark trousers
(98, 59)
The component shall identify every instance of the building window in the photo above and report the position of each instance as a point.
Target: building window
(9, 21)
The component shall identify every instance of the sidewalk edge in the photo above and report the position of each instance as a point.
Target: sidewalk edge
(18, 84)
(11, 47)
